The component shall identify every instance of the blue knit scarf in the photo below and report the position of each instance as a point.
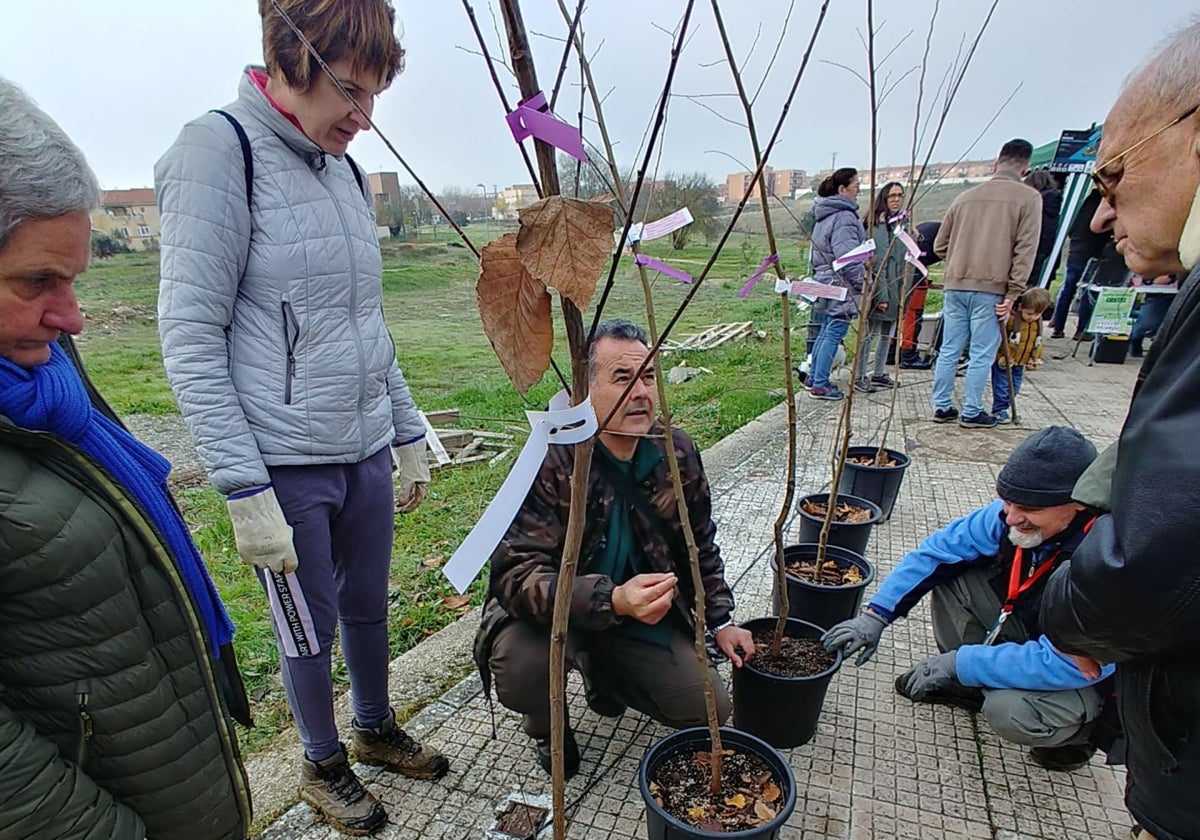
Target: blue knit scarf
(52, 398)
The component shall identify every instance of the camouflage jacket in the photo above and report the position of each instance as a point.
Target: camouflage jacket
(524, 566)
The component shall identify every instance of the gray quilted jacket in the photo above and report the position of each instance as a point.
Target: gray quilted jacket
(837, 232)
(111, 721)
(271, 316)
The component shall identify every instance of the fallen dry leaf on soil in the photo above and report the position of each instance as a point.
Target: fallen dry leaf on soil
(763, 812)
(697, 812)
(770, 792)
(457, 602)
(434, 562)
(566, 243)
(736, 801)
(711, 824)
(515, 310)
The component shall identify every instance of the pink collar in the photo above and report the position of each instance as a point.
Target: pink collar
(260, 81)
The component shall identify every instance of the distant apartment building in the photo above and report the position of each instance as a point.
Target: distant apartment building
(967, 170)
(131, 216)
(385, 187)
(781, 183)
(513, 199)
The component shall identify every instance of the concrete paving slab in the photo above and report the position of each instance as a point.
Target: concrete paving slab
(879, 766)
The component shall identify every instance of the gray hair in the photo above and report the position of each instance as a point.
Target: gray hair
(1172, 73)
(617, 328)
(42, 173)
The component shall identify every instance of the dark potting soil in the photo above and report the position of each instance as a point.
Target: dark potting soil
(832, 573)
(749, 797)
(872, 461)
(850, 514)
(797, 657)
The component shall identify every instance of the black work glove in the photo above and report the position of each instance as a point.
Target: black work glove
(860, 633)
(935, 674)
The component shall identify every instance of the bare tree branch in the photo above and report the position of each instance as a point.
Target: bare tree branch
(849, 70)
(778, 45)
(711, 110)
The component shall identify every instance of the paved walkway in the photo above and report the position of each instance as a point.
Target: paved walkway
(879, 767)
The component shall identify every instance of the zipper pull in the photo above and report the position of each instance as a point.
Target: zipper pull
(85, 715)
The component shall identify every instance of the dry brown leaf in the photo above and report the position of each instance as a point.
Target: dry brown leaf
(515, 310)
(736, 801)
(771, 792)
(566, 243)
(457, 602)
(710, 824)
(763, 812)
(434, 561)
(697, 812)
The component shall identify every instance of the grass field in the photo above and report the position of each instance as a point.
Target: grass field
(430, 308)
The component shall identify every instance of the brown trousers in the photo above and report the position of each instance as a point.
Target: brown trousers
(664, 683)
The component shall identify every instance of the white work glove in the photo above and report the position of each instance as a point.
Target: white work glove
(411, 465)
(264, 539)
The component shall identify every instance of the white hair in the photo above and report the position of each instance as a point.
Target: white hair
(1172, 73)
(42, 173)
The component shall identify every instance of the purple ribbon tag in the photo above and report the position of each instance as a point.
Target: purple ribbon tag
(899, 217)
(532, 118)
(763, 266)
(650, 262)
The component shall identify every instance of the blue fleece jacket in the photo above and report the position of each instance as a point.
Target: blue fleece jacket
(972, 540)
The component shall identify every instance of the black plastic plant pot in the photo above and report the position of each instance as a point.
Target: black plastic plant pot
(880, 485)
(783, 711)
(823, 606)
(662, 826)
(851, 535)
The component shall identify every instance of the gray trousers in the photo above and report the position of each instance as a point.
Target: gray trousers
(342, 517)
(879, 332)
(664, 683)
(964, 610)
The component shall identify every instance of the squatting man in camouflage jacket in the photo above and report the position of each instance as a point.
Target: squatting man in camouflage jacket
(632, 629)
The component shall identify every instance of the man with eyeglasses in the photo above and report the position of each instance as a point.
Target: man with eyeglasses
(1131, 592)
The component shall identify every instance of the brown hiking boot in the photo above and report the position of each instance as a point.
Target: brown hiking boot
(387, 745)
(338, 797)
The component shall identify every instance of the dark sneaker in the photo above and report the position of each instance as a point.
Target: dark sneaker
(1082, 336)
(883, 381)
(831, 392)
(1063, 759)
(865, 386)
(389, 746)
(570, 755)
(956, 694)
(945, 415)
(1058, 334)
(338, 797)
(982, 420)
(915, 364)
(1002, 417)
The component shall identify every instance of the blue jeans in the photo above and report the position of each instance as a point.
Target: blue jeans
(1001, 398)
(833, 330)
(1150, 317)
(968, 320)
(1067, 293)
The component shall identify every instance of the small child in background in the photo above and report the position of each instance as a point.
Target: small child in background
(1023, 334)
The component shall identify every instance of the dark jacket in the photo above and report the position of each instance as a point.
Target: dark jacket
(112, 725)
(889, 281)
(838, 231)
(1085, 244)
(1131, 592)
(524, 566)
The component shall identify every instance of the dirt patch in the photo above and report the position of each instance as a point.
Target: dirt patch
(749, 793)
(949, 442)
(797, 657)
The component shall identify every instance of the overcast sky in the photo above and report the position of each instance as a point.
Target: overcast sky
(123, 76)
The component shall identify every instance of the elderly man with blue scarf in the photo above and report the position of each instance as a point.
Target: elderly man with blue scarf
(117, 678)
(986, 572)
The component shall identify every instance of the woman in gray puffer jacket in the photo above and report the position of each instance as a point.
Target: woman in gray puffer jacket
(837, 232)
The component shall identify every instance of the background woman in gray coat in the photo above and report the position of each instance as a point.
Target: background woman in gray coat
(886, 281)
(270, 314)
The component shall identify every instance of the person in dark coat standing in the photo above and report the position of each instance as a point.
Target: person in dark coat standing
(1131, 592)
(1052, 198)
(1085, 244)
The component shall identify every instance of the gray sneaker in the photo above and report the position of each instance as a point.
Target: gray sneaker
(387, 745)
(338, 797)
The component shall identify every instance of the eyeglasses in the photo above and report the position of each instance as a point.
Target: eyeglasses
(1107, 184)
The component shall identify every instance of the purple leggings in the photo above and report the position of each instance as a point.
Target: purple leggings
(342, 518)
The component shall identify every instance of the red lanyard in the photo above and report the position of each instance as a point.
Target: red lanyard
(1015, 587)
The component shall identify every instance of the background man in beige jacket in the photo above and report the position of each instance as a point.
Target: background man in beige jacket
(989, 239)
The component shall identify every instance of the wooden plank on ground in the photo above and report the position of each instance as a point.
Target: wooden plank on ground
(443, 417)
(435, 444)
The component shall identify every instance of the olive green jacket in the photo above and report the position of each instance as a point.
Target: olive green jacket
(112, 725)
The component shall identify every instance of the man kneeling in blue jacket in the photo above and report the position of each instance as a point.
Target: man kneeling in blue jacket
(987, 572)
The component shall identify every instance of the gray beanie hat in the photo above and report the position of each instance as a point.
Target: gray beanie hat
(1041, 472)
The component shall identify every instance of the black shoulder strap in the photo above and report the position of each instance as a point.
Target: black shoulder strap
(247, 159)
(357, 175)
